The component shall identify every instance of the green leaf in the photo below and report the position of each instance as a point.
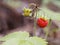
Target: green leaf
(20, 35)
(56, 2)
(50, 14)
(37, 41)
(25, 41)
(16, 41)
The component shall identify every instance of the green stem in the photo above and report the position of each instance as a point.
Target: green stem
(47, 32)
(35, 24)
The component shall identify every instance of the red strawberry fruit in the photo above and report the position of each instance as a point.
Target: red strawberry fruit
(42, 22)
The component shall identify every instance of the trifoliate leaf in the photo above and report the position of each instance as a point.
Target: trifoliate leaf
(27, 41)
(12, 41)
(38, 41)
(16, 41)
(21, 35)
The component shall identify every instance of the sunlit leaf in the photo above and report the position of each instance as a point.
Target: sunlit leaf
(38, 41)
(25, 41)
(16, 41)
(50, 14)
(21, 35)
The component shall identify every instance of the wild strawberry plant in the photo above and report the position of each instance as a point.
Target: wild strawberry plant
(22, 38)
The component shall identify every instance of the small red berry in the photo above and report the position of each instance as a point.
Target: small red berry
(42, 22)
